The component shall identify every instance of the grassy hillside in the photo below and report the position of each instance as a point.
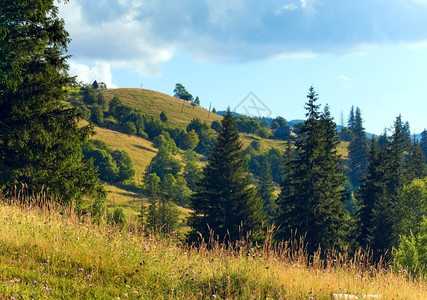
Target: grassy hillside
(153, 103)
(140, 150)
(52, 255)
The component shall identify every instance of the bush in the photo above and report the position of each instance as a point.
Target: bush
(97, 114)
(119, 217)
(129, 128)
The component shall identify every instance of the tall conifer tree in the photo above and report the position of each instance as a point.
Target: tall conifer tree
(225, 200)
(310, 203)
(415, 163)
(357, 150)
(40, 139)
(423, 142)
(370, 191)
(266, 189)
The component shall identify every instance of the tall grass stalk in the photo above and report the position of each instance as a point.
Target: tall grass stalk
(50, 252)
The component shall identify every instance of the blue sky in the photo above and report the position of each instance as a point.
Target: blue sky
(367, 53)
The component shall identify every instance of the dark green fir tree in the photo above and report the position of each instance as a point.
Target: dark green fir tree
(310, 203)
(423, 142)
(266, 190)
(357, 150)
(415, 163)
(225, 200)
(40, 138)
(370, 191)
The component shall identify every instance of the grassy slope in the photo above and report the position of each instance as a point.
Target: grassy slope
(142, 151)
(153, 103)
(51, 256)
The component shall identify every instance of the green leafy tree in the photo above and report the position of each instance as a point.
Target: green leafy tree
(129, 128)
(163, 117)
(40, 139)
(411, 253)
(188, 140)
(97, 114)
(181, 92)
(124, 163)
(163, 163)
(310, 203)
(113, 104)
(89, 95)
(165, 141)
(414, 205)
(225, 200)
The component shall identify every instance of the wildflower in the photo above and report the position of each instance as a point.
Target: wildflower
(34, 282)
(90, 285)
(214, 296)
(89, 276)
(81, 269)
(46, 288)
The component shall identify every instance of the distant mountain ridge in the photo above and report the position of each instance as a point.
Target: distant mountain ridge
(296, 121)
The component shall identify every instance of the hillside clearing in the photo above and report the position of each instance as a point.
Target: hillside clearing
(153, 103)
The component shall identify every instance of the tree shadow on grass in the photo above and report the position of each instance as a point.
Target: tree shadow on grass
(144, 148)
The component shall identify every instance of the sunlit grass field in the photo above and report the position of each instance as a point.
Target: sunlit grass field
(54, 254)
(153, 103)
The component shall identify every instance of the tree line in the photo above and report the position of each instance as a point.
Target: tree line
(43, 146)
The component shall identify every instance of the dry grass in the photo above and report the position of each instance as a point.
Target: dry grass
(140, 150)
(54, 254)
(264, 143)
(153, 103)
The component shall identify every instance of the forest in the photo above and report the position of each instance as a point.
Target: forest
(373, 201)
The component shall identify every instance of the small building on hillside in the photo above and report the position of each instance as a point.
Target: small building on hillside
(100, 85)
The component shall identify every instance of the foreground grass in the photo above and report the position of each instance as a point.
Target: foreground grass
(54, 255)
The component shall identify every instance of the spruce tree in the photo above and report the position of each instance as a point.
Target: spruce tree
(40, 138)
(370, 191)
(266, 189)
(415, 163)
(310, 203)
(357, 150)
(423, 142)
(380, 195)
(351, 119)
(225, 200)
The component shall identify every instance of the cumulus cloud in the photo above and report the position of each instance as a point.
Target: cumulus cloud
(144, 34)
(104, 32)
(101, 72)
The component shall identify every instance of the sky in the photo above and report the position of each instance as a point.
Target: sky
(261, 56)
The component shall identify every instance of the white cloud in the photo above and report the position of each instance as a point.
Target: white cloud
(101, 72)
(123, 41)
(144, 34)
(287, 7)
(346, 81)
